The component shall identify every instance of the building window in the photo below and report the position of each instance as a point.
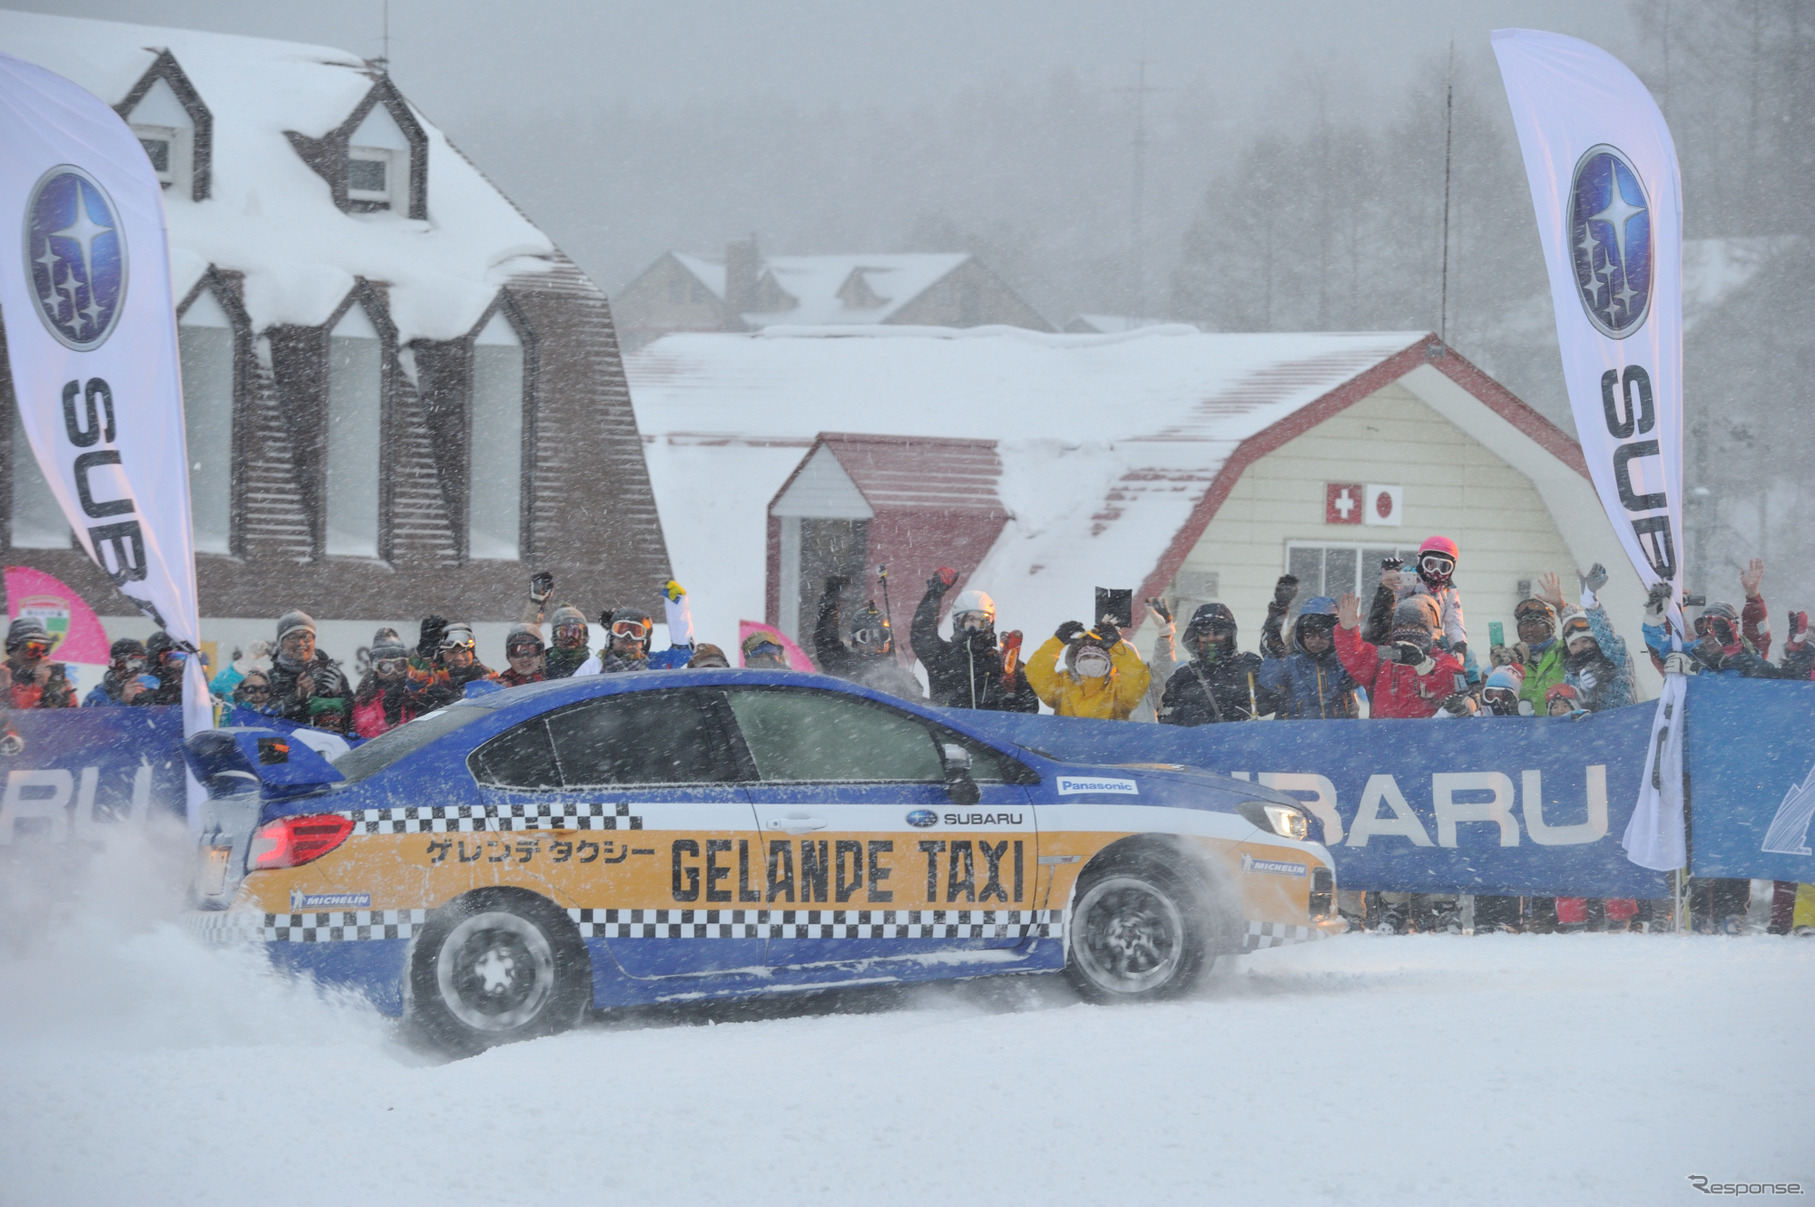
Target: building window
(1334, 570)
(38, 521)
(205, 343)
(378, 163)
(355, 410)
(369, 176)
(495, 496)
(167, 132)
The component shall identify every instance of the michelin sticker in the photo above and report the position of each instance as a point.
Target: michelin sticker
(1072, 785)
(1274, 867)
(306, 901)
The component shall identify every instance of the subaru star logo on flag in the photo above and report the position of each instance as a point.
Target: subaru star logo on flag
(75, 257)
(1610, 241)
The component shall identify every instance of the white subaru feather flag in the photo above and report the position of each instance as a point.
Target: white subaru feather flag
(91, 343)
(1608, 195)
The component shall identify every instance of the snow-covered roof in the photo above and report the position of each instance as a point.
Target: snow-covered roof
(270, 216)
(825, 289)
(1107, 442)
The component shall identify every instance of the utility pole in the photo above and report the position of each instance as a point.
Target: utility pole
(384, 56)
(1449, 110)
(1137, 212)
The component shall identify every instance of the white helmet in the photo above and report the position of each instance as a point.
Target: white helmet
(975, 601)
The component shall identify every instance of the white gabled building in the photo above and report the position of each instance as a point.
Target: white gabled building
(1181, 464)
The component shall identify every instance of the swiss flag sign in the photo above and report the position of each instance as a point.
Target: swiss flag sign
(1342, 503)
(1384, 504)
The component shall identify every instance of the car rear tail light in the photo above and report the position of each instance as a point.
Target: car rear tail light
(292, 841)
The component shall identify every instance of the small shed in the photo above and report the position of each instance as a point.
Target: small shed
(857, 502)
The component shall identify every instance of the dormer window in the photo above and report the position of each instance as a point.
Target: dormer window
(369, 176)
(173, 126)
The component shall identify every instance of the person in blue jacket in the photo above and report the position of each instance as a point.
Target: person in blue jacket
(126, 661)
(1595, 660)
(1308, 678)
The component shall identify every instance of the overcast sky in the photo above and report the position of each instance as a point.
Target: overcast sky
(459, 59)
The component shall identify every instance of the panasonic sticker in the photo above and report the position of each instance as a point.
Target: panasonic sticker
(1072, 785)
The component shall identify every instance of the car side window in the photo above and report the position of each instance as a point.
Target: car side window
(819, 736)
(521, 757)
(654, 737)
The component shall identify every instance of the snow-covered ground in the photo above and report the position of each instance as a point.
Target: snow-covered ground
(137, 1067)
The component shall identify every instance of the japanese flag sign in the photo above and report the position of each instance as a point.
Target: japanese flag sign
(1608, 196)
(91, 343)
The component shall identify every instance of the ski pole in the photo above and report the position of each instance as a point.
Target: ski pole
(882, 576)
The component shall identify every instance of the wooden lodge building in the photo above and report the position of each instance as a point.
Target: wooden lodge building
(401, 396)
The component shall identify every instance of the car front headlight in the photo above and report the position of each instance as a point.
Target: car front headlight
(1288, 822)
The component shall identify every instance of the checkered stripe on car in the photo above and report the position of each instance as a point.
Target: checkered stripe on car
(1277, 934)
(315, 926)
(818, 924)
(467, 819)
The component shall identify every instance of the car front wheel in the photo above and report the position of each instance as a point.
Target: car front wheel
(1139, 931)
(495, 967)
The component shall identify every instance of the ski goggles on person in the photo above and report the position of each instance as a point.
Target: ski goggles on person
(523, 649)
(254, 691)
(391, 666)
(173, 657)
(870, 635)
(629, 628)
(573, 633)
(34, 649)
(451, 643)
(1500, 696)
(766, 649)
(1436, 565)
(1532, 610)
(1719, 628)
(972, 622)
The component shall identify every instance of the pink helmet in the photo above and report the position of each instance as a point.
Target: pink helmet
(1443, 545)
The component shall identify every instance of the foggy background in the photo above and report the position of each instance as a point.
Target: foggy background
(1282, 169)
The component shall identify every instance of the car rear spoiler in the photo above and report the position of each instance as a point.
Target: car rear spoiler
(242, 761)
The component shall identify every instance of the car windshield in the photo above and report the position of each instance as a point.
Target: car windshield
(385, 749)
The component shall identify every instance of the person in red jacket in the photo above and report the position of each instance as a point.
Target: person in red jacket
(1409, 678)
(386, 697)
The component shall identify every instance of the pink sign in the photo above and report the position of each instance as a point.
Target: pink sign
(79, 637)
(797, 658)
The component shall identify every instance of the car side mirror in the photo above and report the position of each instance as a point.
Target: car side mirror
(958, 782)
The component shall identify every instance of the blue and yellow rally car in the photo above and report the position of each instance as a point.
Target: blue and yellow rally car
(494, 869)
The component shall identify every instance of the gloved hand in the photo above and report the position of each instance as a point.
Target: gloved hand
(1109, 631)
(429, 639)
(1389, 572)
(1070, 631)
(1428, 664)
(328, 680)
(541, 586)
(1799, 628)
(1284, 592)
(1459, 705)
(1527, 708)
(1405, 653)
(672, 591)
(836, 583)
(1160, 609)
(1499, 655)
(1587, 680)
(11, 744)
(1679, 663)
(1521, 653)
(943, 580)
(1591, 583)
(1657, 601)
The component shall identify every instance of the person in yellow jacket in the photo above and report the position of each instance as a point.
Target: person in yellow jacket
(1102, 677)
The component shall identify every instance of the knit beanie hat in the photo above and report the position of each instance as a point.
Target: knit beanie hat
(289, 622)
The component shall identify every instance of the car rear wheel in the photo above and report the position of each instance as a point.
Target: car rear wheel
(495, 967)
(1139, 931)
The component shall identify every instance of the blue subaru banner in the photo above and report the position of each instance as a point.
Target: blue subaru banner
(86, 772)
(1751, 764)
(1494, 805)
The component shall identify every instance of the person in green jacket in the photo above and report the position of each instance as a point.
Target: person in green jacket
(1538, 650)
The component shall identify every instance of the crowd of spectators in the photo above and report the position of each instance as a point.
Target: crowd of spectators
(1405, 654)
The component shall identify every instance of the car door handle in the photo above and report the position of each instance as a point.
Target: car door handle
(797, 824)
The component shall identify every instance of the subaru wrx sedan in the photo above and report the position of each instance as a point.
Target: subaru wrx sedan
(493, 870)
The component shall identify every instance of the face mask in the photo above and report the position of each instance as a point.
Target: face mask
(1092, 664)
